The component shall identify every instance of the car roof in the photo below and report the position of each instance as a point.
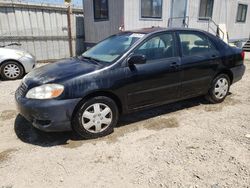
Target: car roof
(159, 29)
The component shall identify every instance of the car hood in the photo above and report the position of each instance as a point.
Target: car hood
(8, 53)
(60, 71)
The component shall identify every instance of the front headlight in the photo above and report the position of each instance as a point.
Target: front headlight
(47, 91)
(20, 53)
(28, 56)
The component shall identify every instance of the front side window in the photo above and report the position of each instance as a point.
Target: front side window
(151, 8)
(195, 44)
(101, 10)
(206, 9)
(158, 47)
(241, 13)
(113, 47)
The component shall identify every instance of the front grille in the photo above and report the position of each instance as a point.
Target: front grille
(21, 91)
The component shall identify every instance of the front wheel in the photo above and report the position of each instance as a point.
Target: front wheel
(219, 89)
(11, 70)
(95, 117)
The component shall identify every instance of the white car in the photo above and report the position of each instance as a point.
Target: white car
(14, 64)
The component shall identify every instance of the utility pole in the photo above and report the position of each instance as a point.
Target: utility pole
(69, 13)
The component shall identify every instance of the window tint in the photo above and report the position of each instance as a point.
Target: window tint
(151, 8)
(195, 44)
(158, 47)
(101, 10)
(241, 13)
(206, 9)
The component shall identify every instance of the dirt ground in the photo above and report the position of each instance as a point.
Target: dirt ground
(185, 144)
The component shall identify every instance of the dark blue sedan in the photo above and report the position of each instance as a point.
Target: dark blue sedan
(128, 72)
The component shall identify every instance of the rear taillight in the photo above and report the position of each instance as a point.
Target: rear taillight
(243, 55)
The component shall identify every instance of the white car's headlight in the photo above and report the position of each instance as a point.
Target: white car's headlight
(47, 91)
(28, 56)
(24, 54)
(20, 53)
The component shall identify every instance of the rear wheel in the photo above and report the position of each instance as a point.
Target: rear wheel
(95, 117)
(11, 70)
(219, 89)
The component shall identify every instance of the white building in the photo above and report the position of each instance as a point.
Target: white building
(104, 17)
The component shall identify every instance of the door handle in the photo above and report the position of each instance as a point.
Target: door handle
(174, 65)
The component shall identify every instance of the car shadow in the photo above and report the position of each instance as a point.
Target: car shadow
(28, 134)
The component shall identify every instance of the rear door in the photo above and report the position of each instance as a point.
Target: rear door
(199, 62)
(158, 80)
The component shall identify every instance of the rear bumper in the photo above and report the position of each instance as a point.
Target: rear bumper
(238, 72)
(47, 115)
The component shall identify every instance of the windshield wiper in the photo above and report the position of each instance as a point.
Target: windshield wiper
(92, 59)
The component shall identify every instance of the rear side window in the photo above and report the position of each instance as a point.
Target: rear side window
(195, 44)
(158, 47)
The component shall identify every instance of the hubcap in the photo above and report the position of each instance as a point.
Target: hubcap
(221, 88)
(96, 118)
(11, 71)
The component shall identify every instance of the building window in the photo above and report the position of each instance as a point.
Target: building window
(101, 10)
(151, 9)
(241, 13)
(206, 9)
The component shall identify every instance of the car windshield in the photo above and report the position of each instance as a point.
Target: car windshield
(113, 47)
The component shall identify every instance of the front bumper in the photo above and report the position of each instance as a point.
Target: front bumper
(28, 63)
(238, 72)
(47, 115)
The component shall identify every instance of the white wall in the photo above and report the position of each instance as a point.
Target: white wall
(132, 15)
(224, 11)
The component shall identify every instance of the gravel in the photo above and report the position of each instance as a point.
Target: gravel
(186, 144)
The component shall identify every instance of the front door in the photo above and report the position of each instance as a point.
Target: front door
(158, 80)
(178, 13)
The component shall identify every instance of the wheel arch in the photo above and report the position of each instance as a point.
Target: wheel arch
(108, 94)
(6, 60)
(227, 72)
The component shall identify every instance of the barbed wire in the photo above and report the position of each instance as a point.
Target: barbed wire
(75, 3)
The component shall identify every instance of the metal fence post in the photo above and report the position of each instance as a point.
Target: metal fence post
(69, 12)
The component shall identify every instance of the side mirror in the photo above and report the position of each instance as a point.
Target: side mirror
(136, 59)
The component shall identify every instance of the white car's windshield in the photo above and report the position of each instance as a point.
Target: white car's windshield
(113, 47)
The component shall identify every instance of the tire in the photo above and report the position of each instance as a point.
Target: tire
(217, 93)
(8, 66)
(90, 123)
